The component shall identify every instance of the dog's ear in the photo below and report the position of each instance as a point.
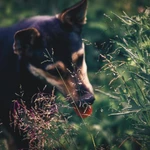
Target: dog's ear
(75, 15)
(25, 40)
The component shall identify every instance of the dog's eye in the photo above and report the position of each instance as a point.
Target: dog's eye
(53, 72)
(79, 61)
(56, 70)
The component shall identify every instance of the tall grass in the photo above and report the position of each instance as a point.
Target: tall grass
(129, 66)
(43, 124)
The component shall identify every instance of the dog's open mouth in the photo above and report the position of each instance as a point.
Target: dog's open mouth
(83, 107)
(83, 112)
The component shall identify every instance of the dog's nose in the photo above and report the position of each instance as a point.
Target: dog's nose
(85, 100)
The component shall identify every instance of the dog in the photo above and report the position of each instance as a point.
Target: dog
(44, 50)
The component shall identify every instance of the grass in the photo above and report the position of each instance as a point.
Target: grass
(130, 84)
(43, 124)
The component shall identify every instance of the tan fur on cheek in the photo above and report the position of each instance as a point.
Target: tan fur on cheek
(75, 55)
(43, 75)
(66, 87)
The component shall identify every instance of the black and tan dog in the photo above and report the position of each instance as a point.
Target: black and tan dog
(22, 60)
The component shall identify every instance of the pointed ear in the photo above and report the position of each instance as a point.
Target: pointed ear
(75, 15)
(25, 40)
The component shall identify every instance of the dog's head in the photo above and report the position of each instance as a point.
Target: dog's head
(55, 52)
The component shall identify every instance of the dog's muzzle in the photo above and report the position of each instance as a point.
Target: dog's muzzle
(85, 100)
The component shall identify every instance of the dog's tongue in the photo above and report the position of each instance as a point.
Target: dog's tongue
(83, 112)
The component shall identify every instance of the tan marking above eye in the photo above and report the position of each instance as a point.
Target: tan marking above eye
(77, 54)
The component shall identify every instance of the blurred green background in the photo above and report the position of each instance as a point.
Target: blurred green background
(100, 131)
